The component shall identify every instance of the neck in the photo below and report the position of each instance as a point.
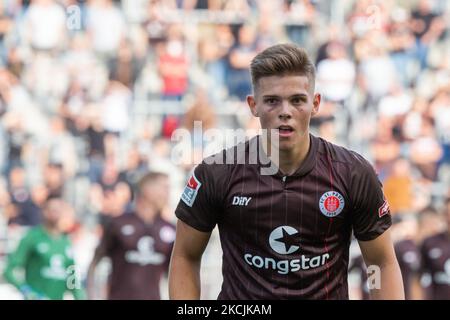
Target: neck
(146, 212)
(289, 160)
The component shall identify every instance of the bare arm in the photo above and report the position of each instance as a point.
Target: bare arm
(380, 253)
(184, 272)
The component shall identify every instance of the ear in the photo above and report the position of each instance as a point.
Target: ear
(252, 105)
(316, 104)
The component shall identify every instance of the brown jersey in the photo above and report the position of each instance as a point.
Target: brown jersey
(286, 236)
(408, 258)
(140, 255)
(435, 253)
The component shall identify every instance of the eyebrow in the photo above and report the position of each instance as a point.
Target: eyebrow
(297, 95)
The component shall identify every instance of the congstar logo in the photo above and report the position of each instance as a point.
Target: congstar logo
(285, 240)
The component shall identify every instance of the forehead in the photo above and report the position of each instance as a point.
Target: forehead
(283, 85)
(155, 181)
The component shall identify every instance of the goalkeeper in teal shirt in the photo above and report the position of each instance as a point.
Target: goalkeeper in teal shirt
(42, 266)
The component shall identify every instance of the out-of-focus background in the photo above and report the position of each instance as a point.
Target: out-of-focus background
(92, 90)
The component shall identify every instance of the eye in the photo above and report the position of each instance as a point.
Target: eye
(271, 101)
(297, 100)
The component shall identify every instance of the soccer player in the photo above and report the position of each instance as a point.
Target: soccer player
(435, 253)
(45, 256)
(284, 235)
(139, 244)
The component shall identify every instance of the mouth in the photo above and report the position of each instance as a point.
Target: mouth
(285, 131)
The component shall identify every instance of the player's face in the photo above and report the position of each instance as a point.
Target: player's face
(157, 192)
(53, 211)
(285, 104)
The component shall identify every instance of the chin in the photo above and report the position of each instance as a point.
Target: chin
(286, 146)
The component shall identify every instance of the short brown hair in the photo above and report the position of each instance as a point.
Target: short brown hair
(282, 59)
(149, 177)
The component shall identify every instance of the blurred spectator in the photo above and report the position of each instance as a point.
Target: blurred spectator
(202, 111)
(213, 52)
(115, 108)
(20, 209)
(135, 168)
(397, 103)
(384, 147)
(17, 139)
(336, 74)
(377, 71)
(426, 151)
(54, 179)
(427, 27)
(5, 26)
(155, 25)
(401, 44)
(440, 111)
(126, 66)
(106, 27)
(61, 147)
(398, 187)
(300, 16)
(83, 66)
(28, 212)
(44, 25)
(239, 82)
(173, 65)
(110, 195)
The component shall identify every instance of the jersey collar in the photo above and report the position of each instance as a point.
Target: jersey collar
(307, 164)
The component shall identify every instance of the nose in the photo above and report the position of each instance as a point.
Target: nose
(285, 112)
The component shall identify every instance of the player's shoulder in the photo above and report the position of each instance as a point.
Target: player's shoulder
(342, 154)
(339, 153)
(236, 154)
(223, 163)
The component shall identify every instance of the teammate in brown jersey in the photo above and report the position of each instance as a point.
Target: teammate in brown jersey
(435, 253)
(284, 234)
(139, 245)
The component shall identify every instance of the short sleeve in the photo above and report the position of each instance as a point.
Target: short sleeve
(371, 215)
(199, 205)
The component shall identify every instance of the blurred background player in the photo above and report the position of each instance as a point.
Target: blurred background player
(139, 245)
(45, 258)
(407, 252)
(409, 231)
(435, 254)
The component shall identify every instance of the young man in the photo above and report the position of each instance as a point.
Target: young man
(284, 235)
(45, 256)
(139, 245)
(435, 253)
